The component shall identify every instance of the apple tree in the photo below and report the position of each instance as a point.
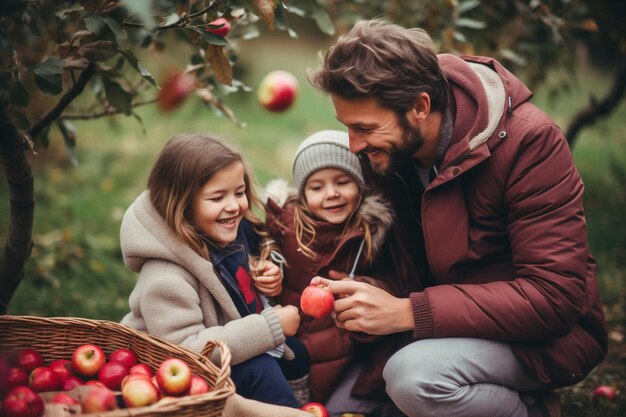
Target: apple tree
(85, 57)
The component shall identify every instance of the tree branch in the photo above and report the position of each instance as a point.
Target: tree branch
(67, 98)
(600, 108)
(180, 22)
(108, 112)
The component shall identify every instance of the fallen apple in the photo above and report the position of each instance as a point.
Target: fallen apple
(277, 91)
(317, 409)
(139, 392)
(98, 399)
(175, 90)
(111, 375)
(44, 379)
(22, 402)
(219, 27)
(88, 359)
(604, 393)
(125, 356)
(173, 376)
(317, 301)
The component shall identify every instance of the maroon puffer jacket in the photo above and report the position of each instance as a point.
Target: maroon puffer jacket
(504, 231)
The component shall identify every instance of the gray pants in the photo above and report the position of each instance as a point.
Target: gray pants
(459, 377)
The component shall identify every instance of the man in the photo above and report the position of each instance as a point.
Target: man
(489, 224)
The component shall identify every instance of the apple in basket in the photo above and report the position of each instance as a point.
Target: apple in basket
(62, 367)
(125, 356)
(97, 400)
(139, 392)
(63, 398)
(112, 373)
(44, 379)
(173, 376)
(29, 359)
(22, 402)
(141, 368)
(88, 359)
(198, 386)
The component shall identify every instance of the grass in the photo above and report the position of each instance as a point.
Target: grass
(76, 267)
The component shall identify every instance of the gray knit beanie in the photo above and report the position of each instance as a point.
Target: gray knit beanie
(325, 149)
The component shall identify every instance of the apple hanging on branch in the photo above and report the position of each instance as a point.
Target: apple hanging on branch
(175, 91)
(219, 27)
(278, 91)
(317, 301)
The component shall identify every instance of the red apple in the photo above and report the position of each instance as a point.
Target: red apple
(317, 301)
(16, 377)
(222, 30)
(604, 393)
(173, 376)
(175, 90)
(139, 392)
(111, 374)
(29, 359)
(141, 368)
(126, 356)
(198, 386)
(95, 383)
(97, 400)
(63, 398)
(70, 382)
(136, 375)
(88, 359)
(277, 91)
(62, 367)
(316, 409)
(22, 402)
(44, 379)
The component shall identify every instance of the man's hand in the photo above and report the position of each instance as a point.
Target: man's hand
(267, 278)
(361, 307)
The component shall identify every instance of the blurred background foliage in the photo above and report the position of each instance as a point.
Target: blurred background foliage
(87, 170)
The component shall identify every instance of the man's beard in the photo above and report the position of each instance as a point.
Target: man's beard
(398, 155)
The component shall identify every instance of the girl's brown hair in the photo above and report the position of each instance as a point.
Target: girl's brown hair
(185, 164)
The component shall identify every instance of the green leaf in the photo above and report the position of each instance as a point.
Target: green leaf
(95, 24)
(212, 38)
(19, 95)
(322, 19)
(140, 120)
(470, 23)
(468, 5)
(134, 62)
(48, 75)
(118, 97)
(143, 10)
(99, 50)
(115, 27)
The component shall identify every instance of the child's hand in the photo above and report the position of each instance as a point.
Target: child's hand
(267, 278)
(289, 318)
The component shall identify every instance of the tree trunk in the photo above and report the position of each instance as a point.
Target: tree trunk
(19, 178)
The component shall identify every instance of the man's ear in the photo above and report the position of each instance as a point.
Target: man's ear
(420, 109)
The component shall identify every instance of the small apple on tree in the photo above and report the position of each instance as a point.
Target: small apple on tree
(317, 301)
(219, 27)
(175, 90)
(278, 91)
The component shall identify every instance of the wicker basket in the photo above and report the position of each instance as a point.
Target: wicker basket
(58, 337)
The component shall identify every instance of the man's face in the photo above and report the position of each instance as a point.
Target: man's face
(378, 133)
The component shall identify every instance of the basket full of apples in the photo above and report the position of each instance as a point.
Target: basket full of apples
(62, 366)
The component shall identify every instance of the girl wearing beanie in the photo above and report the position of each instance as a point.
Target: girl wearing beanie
(331, 226)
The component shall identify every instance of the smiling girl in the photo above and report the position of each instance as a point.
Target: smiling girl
(332, 226)
(190, 237)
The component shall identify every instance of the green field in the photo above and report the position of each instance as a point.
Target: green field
(76, 267)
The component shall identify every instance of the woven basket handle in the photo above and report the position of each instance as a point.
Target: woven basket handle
(224, 372)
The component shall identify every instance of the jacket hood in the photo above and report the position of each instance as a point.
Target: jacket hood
(484, 92)
(374, 209)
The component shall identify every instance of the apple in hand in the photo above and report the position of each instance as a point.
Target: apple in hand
(173, 376)
(63, 398)
(277, 91)
(316, 409)
(29, 359)
(88, 359)
(111, 374)
(44, 379)
(198, 386)
(317, 301)
(604, 393)
(97, 400)
(126, 356)
(219, 31)
(139, 392)
(22, 402)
